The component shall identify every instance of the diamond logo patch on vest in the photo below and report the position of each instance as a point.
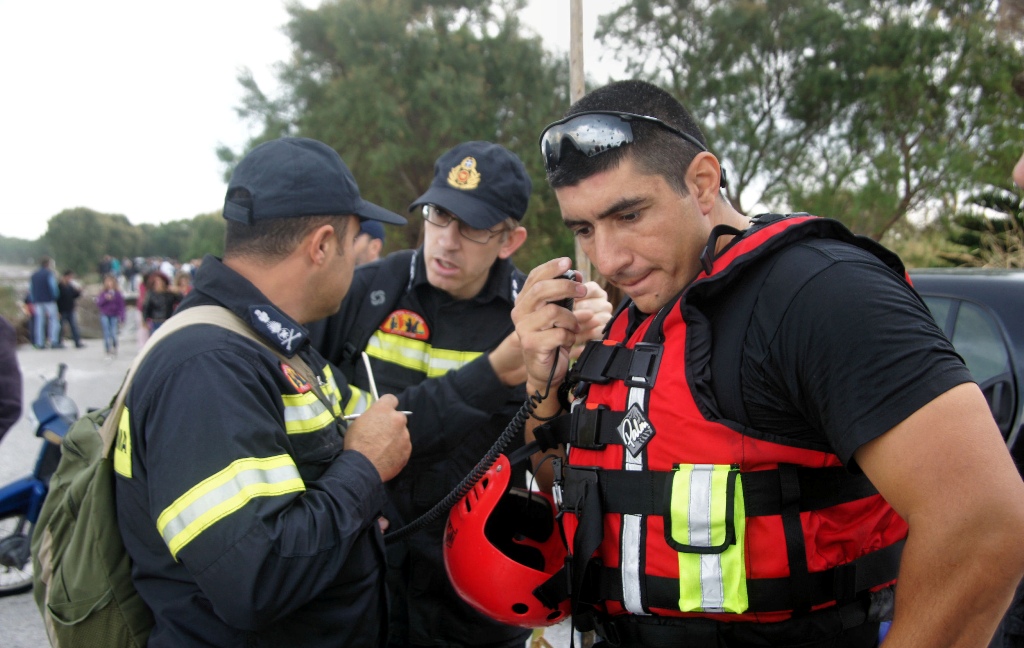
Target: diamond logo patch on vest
(276, 327)
(300, 384)
(464, 176)
(407, 324)
(635, 430)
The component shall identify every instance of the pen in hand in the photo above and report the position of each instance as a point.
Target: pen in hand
(373, 389)
(352, 417)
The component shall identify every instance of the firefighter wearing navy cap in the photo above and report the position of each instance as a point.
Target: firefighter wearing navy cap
(765, 442)
(439, 336)
(250, 514)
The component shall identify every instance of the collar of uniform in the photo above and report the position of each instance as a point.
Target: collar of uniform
(215, 283)
(501, 283)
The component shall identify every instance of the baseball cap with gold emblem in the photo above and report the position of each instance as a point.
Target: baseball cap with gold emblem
(481, 183)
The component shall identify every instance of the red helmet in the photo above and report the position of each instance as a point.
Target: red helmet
(501, 544)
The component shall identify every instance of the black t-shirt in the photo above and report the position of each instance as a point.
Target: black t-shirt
(837, 350)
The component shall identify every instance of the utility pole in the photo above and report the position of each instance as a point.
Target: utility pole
(576, 90)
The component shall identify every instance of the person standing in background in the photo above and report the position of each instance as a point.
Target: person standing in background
(43, 293)
(110, 303)
(68, 292)
(160, 301)
(369, 242)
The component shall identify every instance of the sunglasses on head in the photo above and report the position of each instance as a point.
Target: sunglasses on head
(595, 131)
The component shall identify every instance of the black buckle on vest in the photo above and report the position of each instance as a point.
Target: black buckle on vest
(592, 365)
(556, 487)
(643, 365)
(586, 427)
(577, 480)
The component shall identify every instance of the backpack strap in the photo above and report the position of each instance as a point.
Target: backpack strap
(218, 316)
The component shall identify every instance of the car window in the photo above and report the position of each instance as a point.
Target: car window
(977, 338)
(940, 307)
(975, 334)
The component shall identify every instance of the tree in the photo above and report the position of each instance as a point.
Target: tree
(206, 237)
(78, 238)
(392, 85)
(864, 110)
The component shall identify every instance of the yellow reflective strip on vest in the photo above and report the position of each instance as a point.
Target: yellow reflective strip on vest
(123, 447)
(417, 355)
(713, 581)
(222, 494)
(304, 413)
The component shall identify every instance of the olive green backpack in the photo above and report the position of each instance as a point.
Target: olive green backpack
(81, 570)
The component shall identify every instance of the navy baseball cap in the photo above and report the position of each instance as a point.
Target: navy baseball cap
(481, 183)
(296, 176)
(373, 228)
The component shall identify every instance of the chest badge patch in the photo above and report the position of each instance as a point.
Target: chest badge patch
(300, 384)
(464, 176)
(407, 324)
(635, 430)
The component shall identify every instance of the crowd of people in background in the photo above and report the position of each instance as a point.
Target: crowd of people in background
(137, 294)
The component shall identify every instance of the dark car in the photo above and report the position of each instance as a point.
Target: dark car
(982, 313)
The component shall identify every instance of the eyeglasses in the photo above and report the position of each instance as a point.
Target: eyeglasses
(437, 216)
(595, 131)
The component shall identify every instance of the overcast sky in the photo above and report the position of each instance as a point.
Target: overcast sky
(119, 105)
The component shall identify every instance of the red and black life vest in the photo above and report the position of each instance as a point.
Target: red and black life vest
(671, 510)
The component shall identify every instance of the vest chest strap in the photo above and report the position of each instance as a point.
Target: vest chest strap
(601, 363)
(842, 583)
(647, 492)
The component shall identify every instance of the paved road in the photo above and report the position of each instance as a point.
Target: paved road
(92, 381)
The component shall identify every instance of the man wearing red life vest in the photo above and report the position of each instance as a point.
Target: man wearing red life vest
(775, 445)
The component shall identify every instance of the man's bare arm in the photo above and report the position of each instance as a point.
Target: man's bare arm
(946, 470)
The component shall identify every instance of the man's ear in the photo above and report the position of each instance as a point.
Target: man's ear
(513, 240)
(320, 244)
(376, 245)
(703, 177)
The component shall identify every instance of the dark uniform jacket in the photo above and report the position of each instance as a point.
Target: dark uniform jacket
(431, 351)
(247, 523)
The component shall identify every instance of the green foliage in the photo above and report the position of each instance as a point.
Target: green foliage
(868, 110)
(207, 237)
(393, 84)
(20, 251)
(991, 229)
(10, 305)
(77, 238)
(923, 247)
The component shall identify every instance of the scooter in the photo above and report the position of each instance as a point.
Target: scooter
(21, 500)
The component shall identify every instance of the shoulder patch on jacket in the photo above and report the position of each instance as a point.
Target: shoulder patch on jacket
(300, 384)
(407, 324)
(277, 328)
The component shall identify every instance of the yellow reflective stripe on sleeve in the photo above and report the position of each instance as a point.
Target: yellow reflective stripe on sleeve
(331, 390)
(359, 402)
(305, 413)
(222, 494)
(714, 580)
(417, 355)
(123, 447)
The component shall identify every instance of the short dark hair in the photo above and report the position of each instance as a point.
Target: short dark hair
(655, 150)
(274, 239)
